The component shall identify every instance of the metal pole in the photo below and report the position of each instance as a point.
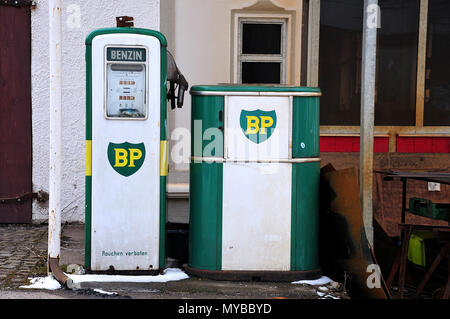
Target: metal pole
(54, 218)
(370, 24)
(313, 43)
(54, 222)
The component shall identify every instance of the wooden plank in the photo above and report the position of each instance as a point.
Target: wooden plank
(387, 194)
(347, 248)
(421, 62)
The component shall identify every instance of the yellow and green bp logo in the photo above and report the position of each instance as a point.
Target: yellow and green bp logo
(258, 125)
(126, 158)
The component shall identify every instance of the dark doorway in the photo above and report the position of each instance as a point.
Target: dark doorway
(15, 112)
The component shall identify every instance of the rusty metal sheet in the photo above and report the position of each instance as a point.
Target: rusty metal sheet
(344, 247)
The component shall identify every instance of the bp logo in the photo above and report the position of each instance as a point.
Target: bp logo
(126, 158)
(258, 125)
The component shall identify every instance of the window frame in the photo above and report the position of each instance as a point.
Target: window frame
(284, 17)
(274, 58)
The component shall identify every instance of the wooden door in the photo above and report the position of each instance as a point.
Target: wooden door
(15, 112)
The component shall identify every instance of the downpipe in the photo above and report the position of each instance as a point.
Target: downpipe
(60, 276)
(54, 221)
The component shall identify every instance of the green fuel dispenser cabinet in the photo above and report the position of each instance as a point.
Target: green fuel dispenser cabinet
(126, 150)
(254, 182)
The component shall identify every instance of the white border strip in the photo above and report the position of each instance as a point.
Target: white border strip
(228, 93)
(198, 159)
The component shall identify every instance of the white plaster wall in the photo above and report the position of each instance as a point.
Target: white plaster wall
(202, 48)
(93, 15)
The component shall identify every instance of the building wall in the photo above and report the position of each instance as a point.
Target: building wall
(201, 38)
(92, 15)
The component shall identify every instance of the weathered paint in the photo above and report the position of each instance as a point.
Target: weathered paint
(159, 158)
(423, 144)
(55, 163)
(238, 223)
(305, 127)
(256, 217)
(205, 220)
(16, 118)
(236, 143)
(367, 118)
(93, 16)
(207, 113)
(305, 219)
(88, 158)
(163, 169)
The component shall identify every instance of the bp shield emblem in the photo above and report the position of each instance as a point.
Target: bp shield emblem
(126, 158)
(258, 125)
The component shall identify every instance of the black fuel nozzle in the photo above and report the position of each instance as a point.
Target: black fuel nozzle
(183, 85)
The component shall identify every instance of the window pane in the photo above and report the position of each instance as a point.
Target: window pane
(437, 83)
(261, 72)
(340, 61)
(397, 62)
(126, 90)
(261, 38)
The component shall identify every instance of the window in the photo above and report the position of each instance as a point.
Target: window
(340, 53)
(437, 83)
(126, 84)
(412, 87)
(262, 51)
(395, 102)
(340, 61)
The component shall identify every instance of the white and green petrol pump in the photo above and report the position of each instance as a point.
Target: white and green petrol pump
(126, 150)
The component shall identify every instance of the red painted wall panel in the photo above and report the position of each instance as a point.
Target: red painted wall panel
(350, 144)
(423, 144)
(405, 144)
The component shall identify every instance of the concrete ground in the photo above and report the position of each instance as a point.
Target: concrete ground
(23, 250)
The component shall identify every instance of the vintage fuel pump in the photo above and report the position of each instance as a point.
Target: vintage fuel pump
(126, 148)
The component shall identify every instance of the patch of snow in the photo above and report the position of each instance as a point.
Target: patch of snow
(105, 292)
(324, 280)
(169, 274)
(330, 296)
(321, 294)
(48, 282)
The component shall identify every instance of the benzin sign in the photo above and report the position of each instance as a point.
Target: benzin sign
(126, 54)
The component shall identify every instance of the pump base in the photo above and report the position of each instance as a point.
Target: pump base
(255, 275)
(154, 272)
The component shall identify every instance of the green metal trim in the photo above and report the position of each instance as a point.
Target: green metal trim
(252, 88)
(88, 179)
(294, 223)
(305, 216)
(88, 222)
(163, 111)
(88, 57)
(305, 127)
(163, 137)
(156, 34)
(219, 216)
(205, 219)
(162, 222)
(206, 109)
